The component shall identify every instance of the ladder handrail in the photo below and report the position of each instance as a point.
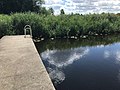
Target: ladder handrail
(28, 27)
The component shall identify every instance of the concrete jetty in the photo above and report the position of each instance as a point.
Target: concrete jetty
(21, 68)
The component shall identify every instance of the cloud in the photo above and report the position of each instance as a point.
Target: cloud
(84, 6)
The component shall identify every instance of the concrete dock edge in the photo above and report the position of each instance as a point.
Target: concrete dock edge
(21, 67)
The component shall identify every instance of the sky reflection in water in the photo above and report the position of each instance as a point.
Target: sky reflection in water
(61, 59)
(87, 67)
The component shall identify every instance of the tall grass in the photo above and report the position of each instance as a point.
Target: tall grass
(47, 26)
(5, 25)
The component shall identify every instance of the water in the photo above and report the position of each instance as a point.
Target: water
(84, 64)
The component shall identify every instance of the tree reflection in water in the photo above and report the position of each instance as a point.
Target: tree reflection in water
(92, 64)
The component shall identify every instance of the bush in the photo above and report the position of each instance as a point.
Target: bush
(47, 26)
(5, 25)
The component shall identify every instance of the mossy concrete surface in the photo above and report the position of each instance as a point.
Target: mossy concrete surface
(21, 68)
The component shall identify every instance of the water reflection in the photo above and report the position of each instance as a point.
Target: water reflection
(56, 75)
(62, 58)
(113, 51)
(82, 64)
(107, 54)
(118, 62)
(118, 56)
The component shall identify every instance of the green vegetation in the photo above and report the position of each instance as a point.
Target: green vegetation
(13, 6)
(48, 25)
(62, 11)
(45, 25)
(5, 25)
(15, 14)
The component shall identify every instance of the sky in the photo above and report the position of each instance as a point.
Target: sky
(83, 6)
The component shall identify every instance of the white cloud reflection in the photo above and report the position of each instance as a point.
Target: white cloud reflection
(116, 53)
(56, 75)
(118, 56)
(84, 6)
(118, 62)
(106, 54)
(62, 58)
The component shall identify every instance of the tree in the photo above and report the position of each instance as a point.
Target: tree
(37, 5)
(12, 6)
(62, 11)
(51, 11)
(43, 10)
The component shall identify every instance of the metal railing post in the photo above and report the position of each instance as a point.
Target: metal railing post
(27, 27)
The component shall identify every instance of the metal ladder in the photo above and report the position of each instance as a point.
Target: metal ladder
(27, 27)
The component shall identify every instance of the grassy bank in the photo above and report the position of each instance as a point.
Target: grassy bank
(60, 26)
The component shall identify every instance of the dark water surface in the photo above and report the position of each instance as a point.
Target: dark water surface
(84, 64)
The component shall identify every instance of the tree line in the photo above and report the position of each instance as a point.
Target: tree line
(17, 6)
(13, 6)
(60, 26)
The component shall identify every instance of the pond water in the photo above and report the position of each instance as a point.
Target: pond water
(83, 64)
